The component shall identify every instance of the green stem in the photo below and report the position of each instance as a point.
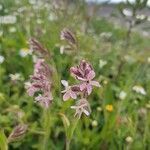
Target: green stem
(46, 128)
(71, 132)
(68, 144)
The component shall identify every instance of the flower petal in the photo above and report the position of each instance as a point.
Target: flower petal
(66, 96)
(95, 83)
(86, 112)
(73, 95)
(89, 89)
(64, 83)
(82, 86)
(91, 75)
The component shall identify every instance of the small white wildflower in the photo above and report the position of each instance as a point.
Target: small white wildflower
(1, 59)
(140, 17)
(139, 89)
(15, 77)
(127, 12)
(129, 139)
(94, 123)
(122, 95)
(8, 19)
(12, 29)
(24, 52)
(99, 109)
(106, 35)
(102, 63)
(39, 21)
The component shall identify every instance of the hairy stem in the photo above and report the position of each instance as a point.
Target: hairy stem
(71, 132)
(46, 128)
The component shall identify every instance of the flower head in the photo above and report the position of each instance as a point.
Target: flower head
(40, 82)
(18, 132)
(139, 89)
(109, 108)
(82, 106)
(85, 73)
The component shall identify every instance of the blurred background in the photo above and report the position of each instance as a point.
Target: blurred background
(114, 36)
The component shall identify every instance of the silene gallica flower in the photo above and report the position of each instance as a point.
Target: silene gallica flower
(40, 83)
(85, 74)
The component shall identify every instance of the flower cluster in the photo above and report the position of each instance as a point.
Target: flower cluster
(85, 74)
(40, 84)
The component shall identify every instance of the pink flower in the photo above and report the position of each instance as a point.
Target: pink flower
(82, 72)
(82, 106)
(70, 91)
(85, 73)
(40, 82)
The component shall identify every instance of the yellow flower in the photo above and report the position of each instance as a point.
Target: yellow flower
(109, 108)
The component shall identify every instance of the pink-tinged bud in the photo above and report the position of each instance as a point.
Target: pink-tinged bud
(18, 132)
(67, 35)
(37, 47)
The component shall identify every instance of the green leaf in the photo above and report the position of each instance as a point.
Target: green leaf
(3, 141)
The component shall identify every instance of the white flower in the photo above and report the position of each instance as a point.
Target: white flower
(106, 35)
(139, 89)
(12, 29)
(1, 59)
(141, 17)
(122, 95)
(102, 63)
(129, 139)
(15, 77)
(127, 12)
(99, 109)
(39, 21)
(9, 19)
(94, 123)
(24, 52)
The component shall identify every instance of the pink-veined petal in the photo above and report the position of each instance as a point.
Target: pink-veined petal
(91, 75)
(83, 86)
(66, 96)
(89, 89)
(73, 95)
